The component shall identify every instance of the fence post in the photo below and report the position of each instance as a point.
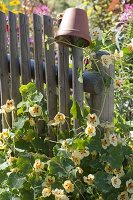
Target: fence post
(103, 104)
(77, 84)
(24, 49)
(14, 59)
(63, 81)
(4, 73)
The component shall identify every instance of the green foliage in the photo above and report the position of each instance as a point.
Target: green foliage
(26, 161)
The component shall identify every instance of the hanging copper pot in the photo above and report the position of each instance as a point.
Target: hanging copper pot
(73, 29)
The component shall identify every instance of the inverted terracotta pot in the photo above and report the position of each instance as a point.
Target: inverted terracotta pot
(73, 29)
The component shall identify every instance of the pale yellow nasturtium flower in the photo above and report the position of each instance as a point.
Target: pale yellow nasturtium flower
(123, 196)
(105, 142)
(59, 194)
(14, 3)
(35, 111)
(108, 169)
(118, 54)
(49, 180)
(75, 159)
(106, 60)
(90, 130)
(116, 182)
(5, 134)
(80, 153)
(59, 118)
(129, 186)
(10, 160)
(89, 179)
(79, 170)
(113, 139)
(96, 33)
(8, 107)
(84, 153)
(38, 165)
(93, 119)
(68, 186)
(119, 172)
(46, 192)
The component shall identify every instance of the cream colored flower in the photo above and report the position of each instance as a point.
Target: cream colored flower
(90, 130)
(89, 179)
(38, 165)
(119, 172)
(5, 134)
(49, 180)
(96, 33)
(105, 142)
(8, 107)
(131, 198)
(129, 186)
(59, 118)
(116, 182)
(76, 160)
(80, 153)
(68, 186)
(118, 54)
(123, 196)
(10, 160)
(32, 122)
(93, 119)
(79, 170)
(66, 143)
(35, 110)
(46, 192)
(59, 194)
(108, 169)
(130, 45)
(106, 60)
(84, 153)
(76, 157)
(113, 139)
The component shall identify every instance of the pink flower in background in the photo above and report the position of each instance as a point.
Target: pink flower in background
(128, 13)
(41, 10)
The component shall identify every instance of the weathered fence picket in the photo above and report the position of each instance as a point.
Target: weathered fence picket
(14, 59)
(4, 73)
(37, 25)
(21, 69)
(24, 49)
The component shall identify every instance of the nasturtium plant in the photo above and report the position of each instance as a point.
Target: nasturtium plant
(93, 163)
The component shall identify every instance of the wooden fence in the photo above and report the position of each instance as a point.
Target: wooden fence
(16, 62)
